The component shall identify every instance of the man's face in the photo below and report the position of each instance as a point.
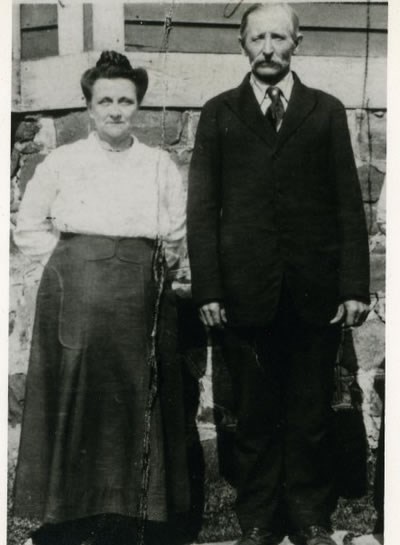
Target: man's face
(269, 43)
(112, 108)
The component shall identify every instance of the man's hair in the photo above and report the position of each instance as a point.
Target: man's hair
(112, 65)
(287, 8)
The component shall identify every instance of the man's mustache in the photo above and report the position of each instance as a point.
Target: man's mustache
(265, 62)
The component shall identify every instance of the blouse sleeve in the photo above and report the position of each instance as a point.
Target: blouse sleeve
(35, 234)
(175, 208)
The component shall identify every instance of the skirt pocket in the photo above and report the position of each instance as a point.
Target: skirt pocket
(72, 324)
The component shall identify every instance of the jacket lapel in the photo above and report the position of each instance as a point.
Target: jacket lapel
(301, 104)
(244, 104)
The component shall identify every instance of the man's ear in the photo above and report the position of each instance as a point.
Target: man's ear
(297, 42)
(240, 40)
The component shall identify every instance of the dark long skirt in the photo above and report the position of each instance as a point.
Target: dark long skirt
(87, 388)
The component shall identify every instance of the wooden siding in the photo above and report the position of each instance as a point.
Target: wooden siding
(201, 56)
(39, 43)
(87, 27)
(39, 30)
(108, 26)
(16, 32)
(329, 29)
(317, 14)
(38, 15)
(181, 80)
(203, 39)
(70, 29)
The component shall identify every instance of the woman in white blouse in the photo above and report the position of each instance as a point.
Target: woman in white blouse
(102, 457)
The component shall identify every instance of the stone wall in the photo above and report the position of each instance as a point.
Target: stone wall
(363, 349)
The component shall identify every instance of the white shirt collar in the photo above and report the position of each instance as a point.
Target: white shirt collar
(260, 88)
(93, 136)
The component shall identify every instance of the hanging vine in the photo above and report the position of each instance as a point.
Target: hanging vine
(159, 271)
(229, 10)
(365, 107)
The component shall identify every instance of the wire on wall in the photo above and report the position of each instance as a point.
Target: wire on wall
(365, 107)
(159, 277)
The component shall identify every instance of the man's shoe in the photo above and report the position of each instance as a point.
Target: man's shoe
(258, 536)
(316, 535)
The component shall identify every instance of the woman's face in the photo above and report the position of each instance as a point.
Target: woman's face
(112, 108)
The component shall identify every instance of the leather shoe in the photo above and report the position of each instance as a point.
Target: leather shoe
(259, 536)
(316, 535)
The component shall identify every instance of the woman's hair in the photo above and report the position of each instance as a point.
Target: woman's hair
(113, 65)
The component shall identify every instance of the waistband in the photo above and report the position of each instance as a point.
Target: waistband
(93, 247)
(68, 236)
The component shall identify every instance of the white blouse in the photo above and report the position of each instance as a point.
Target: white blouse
(85, 188)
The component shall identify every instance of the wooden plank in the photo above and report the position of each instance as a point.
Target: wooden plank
(348, 43)
(36, 44)
(16, 84)
(179, 80)
(343, 15)
(340, 2)
(201, 39)
(16, 32)
(38, 15)
(108, 26)
(87, 27)
(182, 39)
(332, 15)
(70, 29)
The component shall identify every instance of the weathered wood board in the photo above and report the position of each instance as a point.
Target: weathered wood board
(180, 80)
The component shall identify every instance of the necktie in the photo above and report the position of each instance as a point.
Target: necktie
(275, 111)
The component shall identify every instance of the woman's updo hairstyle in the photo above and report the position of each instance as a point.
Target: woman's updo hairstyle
(112, 65)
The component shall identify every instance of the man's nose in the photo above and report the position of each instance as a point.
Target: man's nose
(267, 46)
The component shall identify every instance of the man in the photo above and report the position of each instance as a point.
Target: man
(279, 258)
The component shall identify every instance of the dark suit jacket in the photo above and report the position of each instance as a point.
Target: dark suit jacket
(263, 206)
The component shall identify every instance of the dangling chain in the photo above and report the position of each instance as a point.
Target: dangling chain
(159, 277)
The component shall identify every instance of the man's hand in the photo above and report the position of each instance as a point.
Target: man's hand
(213, 315)
(351, 313)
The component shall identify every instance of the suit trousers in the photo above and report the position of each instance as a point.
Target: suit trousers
(283, 384)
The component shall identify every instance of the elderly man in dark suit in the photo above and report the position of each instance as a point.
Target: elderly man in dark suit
(279, 258)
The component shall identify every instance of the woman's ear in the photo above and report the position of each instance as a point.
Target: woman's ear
(89, 109)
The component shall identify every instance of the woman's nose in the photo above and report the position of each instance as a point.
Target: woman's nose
(114, 110)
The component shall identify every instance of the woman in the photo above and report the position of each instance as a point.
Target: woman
(95, 452)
